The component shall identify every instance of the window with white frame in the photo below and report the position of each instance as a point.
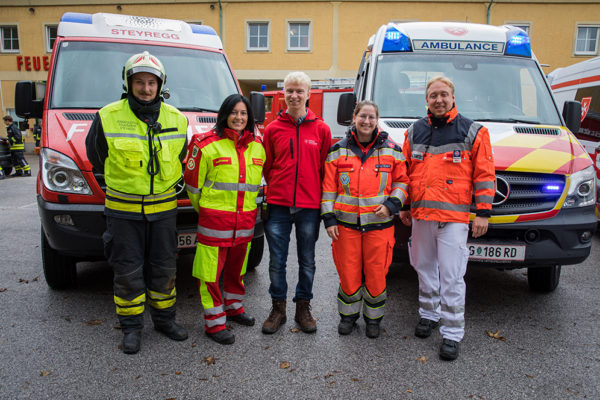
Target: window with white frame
(257, 36)
(586, 42)
(50, 37)
(298, 35)
(10, 39)
(526, 26)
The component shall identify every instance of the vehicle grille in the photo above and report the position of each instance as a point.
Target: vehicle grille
(537, 131)
(526, 192)
(398, 124)
(207, 120)
(79, 116)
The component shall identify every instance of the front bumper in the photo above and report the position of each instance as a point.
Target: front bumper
(558, 240)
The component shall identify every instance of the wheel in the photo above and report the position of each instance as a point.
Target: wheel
(59, 270)
(543, 279)
(256, 252)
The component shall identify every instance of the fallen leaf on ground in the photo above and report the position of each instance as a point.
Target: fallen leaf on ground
(68, 319)
(495, 335)
(202, 379)
(423, 359)
(35, 279)
(408, 391)
(21, 280)
(177, 372)
(45, 372)
(294, 330)
(93, 322)
(209, 360)
(2, 289)
(284, 365)
(328, 376)
(355, 380)
(138, 377)
(529, 376)
(293, 369)
(266, 347)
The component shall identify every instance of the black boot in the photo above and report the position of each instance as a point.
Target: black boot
(347, 323)
(242, 319)
(132, 341)
(372, 329)
(449, 350)
(172, 330)
(27, 173)
(222, 337)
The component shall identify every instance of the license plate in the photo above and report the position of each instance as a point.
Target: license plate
(186, 240)
(495, 252)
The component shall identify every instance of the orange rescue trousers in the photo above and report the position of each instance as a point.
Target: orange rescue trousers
(363, 254)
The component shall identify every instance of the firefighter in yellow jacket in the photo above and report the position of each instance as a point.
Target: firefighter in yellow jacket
(139, 143)
(222, 177)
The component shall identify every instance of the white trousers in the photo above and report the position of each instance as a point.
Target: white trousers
(438, 252)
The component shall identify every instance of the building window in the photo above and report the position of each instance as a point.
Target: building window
(586, 42)
(523, 25)
(50, 37)
(298, 35)
(258, 36)
(10, 39)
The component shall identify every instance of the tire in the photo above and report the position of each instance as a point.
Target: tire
(543, 279)
(256, 253)
(59, 270)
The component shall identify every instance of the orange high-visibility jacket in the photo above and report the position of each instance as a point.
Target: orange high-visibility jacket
(359, 179)
(449, 159)
(222, 178)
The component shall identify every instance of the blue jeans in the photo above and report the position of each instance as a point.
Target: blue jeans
(278, 229)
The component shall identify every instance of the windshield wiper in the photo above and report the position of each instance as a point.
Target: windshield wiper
(197, 109)
(511, 120)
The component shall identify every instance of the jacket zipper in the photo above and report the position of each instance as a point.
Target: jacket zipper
(297, 160)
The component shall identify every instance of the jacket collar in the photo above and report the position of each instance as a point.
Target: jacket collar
(445, 119)
(243, 139)
(309, 117)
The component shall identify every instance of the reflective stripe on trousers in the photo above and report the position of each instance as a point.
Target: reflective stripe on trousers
(439, 255)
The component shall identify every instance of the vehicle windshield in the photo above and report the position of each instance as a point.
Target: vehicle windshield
(89, 75)
(487, 88)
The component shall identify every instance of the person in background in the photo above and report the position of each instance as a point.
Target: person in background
(17, 147)
(223, 176)
(449, 160)
(37, 133)
(365, 184)
(139, 144)
(296, 144)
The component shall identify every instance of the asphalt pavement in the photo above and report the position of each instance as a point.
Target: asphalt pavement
(64, 344)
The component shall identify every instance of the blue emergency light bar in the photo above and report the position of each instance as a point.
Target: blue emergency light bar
(395, 41)
(518, 43)
(549, 188)
(203, 29)
(78, 18)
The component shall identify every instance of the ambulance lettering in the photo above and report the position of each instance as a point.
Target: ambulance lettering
(480, 47)
(144, 34)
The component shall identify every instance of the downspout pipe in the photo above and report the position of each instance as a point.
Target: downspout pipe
(489, 9)
(221, 20)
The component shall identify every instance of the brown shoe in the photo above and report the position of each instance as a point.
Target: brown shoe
(276, 317)
(303, 318)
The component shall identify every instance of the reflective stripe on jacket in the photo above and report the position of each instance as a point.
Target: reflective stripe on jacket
(223, 176)
(15, 139)
(446, 163)
(357, 180)
(143, 164)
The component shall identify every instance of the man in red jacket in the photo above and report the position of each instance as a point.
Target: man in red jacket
(296, 146)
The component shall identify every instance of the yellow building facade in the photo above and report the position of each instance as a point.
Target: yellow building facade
(264, 40)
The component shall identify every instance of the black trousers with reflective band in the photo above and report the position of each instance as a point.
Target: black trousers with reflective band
(142, 255)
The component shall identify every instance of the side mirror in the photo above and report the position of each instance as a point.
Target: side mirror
(257, 102)
(26, 105)
(346, 105)
(572, 115)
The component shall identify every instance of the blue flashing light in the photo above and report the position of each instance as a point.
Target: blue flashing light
(552, 188)
(395, 41)
(78, 18)
(518, 43)
(203, 29)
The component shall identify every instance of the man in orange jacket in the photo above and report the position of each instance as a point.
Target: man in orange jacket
(449, 158)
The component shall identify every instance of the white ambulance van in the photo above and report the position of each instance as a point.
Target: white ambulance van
(581, 82)
(85, 75)
(543, 211)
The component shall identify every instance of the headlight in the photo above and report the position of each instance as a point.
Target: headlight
(61, 174)
(582, 190)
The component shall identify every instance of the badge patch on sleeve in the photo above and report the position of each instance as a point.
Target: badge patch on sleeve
(221, 161)
(195, 151)
(456, 156)
(417, 155)
(191, 164)
(257, 161)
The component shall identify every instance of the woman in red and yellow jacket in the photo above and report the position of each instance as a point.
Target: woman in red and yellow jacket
(365, 184)
(222, 177)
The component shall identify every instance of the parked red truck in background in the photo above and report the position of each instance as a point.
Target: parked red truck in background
(85, 75)
(323, 101)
